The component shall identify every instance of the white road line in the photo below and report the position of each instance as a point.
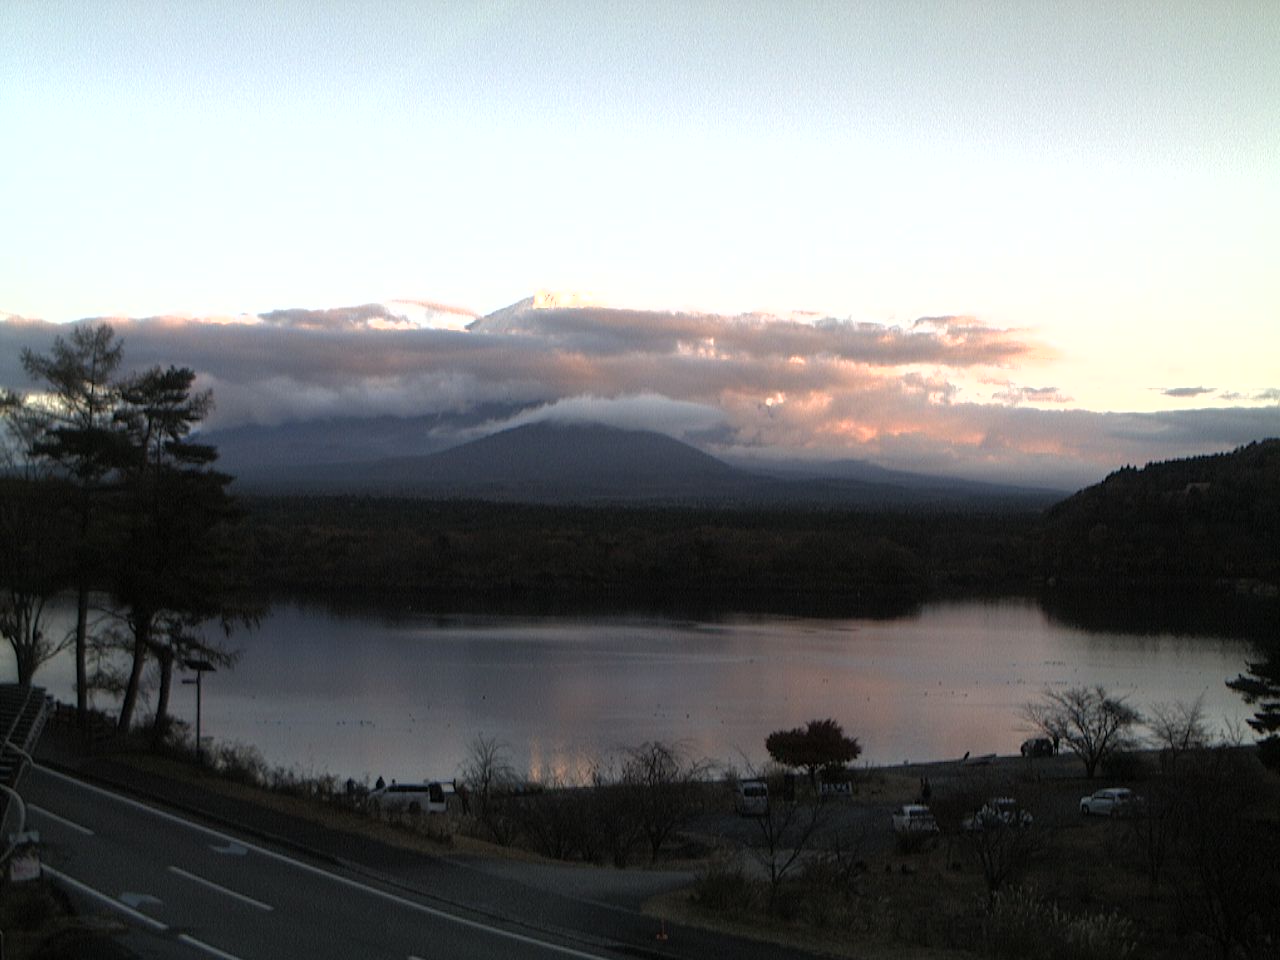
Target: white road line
(207, 948)
(333, 877)
(110, 901)
(221, 889)
(62, 820)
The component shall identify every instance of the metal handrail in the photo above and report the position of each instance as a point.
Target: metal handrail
(22, 820)
(17, 797)
(8, 734)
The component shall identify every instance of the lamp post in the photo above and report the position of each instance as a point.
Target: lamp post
(201, 667)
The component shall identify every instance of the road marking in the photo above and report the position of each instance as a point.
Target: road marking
(221, 889)
(207, 948)
(333, 877)
(70, 824)
(111, 902)
(232, 849)
(137, 900)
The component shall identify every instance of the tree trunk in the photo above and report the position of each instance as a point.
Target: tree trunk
(18, 632)
(161, 722)
(82, 673)
(141, 638)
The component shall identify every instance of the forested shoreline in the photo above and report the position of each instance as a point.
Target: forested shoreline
(527, 557)
(1195, 531)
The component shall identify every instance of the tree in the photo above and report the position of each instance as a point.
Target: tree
(1261, 686)
(1089, 720)
(34, 565)
(34, 568)
(175, 568)
(1003, 847)
(818, 745)
(1178, 728)
(664, 787)
(488, 776)
(75, 432)
(788, 827)
(1224, 858)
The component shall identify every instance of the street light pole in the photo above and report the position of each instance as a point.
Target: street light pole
(201, 667)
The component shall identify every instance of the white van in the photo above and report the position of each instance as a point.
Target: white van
(430, 797)
(752, 798)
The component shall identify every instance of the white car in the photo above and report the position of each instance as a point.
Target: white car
(752, 798)
(914, 818)
(1111, 802)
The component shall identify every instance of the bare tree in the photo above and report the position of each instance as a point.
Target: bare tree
(665, 787)
(1003, 847)
(35, 561)
(1225, 862)
(488, 776)
(1089, 720)
(788, 828)
(1178, 728)
(487, 769)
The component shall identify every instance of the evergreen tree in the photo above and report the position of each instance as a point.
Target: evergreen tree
(174, 570)
(76, 434)
(1262, 686)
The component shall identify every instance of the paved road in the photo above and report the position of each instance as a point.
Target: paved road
(182, 885)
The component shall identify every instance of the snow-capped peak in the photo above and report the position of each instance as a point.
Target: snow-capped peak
(562, 300)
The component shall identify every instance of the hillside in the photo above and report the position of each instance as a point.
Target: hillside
(1201, 521)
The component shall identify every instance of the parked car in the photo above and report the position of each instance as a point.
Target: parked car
(998, 812)
(914, 818)
(1111, 802)
(1037, 747)
(430, 797)
(751, 799)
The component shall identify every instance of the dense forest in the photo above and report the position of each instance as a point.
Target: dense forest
(1195, 522)
(468, 553)
(1206, 526)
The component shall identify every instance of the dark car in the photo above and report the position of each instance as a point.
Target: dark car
(1037, 747)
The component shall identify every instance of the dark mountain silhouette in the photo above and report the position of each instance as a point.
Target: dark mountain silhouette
(262, 451)
(1203, 520)
(581, 463)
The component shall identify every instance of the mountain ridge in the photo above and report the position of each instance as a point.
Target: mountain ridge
(561, 462)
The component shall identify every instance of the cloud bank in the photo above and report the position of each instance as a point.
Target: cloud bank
(936, 395)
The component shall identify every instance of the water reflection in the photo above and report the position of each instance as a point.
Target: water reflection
(403, 696)
(1191, 613)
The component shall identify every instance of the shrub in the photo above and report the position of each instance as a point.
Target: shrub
(1023, 927)
(1123, 765)
(240, 762)
(726, 890)
(915, 841)
(30, 906)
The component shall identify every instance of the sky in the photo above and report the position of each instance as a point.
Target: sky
(1009, 240)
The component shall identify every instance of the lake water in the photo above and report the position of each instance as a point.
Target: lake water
(402, 696)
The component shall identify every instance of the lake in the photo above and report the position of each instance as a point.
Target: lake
(402, 695)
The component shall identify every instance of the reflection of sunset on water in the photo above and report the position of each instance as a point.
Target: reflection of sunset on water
(406, 697)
